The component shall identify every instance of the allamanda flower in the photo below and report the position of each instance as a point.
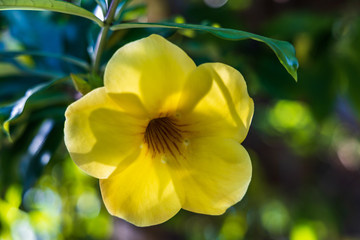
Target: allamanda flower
(163, 134)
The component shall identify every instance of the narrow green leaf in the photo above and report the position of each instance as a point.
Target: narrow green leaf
(120, 9)
(8, 69)
(49, 5)
(69, 59)
(103, 5)
(49, 137)
(81, 85)
(10, 112)
(283, 50)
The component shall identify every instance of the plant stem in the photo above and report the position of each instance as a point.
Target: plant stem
(102, 37)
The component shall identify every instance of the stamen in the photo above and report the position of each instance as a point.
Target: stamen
(163, 135)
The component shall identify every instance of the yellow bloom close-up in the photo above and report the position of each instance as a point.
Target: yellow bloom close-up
(163, 134)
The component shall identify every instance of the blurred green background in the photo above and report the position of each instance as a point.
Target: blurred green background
(304, 140)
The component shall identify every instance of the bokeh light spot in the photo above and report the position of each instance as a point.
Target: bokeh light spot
(303, 232)
(215, 3)
(88, 205)
(234, 227)
(275, 217)
(288, 115)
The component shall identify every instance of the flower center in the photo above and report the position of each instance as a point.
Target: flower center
(163, 135)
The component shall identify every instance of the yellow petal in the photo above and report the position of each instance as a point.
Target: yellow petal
(131, 104)
(142, 193)
(226, 109)
(152, 68)
(99, 136)
(197, 85)
(213, 176)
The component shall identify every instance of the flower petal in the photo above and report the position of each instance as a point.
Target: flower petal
(131, 104)
(226, 110)
(99, 136)
(214, 175)
(142, 193)
(152, 68)
(195, 88)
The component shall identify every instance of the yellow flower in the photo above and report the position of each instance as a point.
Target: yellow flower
(163, 134)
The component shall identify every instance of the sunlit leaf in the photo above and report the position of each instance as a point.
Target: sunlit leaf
(103, 5)
(10, 112)
(40, 150)
(48, 5)
(120, 9)
(81, 85)
(283, 50)
(8, 69)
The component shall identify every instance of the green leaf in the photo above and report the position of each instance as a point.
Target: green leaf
(8, 69)
(69, 59)
(283, 50)
(81, 85)
(10, 112)
(51, 135)
(103, 5)
(49, 5)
